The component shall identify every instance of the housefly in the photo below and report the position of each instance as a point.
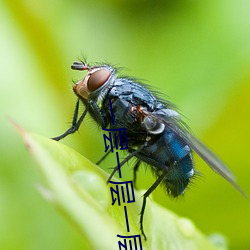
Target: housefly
(156, 135)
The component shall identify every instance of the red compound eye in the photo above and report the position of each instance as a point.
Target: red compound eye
(97, 79)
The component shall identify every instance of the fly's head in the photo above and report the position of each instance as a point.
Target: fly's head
(96, 79)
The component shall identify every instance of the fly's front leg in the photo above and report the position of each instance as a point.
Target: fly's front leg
(100, 117)
(75, 123)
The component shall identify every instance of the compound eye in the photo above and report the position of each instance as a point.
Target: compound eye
(97, 79)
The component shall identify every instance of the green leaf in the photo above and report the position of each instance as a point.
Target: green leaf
(78, 189)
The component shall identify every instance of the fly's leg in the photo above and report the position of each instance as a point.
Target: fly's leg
(136, 167)
(104, 157)
(75, 124)
(99, 116)
(125, 160)
(145, 196)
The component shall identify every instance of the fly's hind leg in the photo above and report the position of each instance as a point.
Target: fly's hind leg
(145, 196)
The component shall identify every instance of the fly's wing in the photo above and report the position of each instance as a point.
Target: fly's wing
(208, 156)
(175, 124)
(212, 160)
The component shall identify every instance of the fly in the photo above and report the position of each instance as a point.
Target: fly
(156, 134)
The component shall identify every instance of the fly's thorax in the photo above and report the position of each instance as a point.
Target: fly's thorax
(152, 125)
(153, 122)
(94, 85)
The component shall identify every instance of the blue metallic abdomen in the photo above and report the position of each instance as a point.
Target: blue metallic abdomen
(168, 153)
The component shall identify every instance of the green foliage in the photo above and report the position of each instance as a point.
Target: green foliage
(77, 188)
(195, 52)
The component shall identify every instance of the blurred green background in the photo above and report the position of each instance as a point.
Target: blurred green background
(196, 52)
